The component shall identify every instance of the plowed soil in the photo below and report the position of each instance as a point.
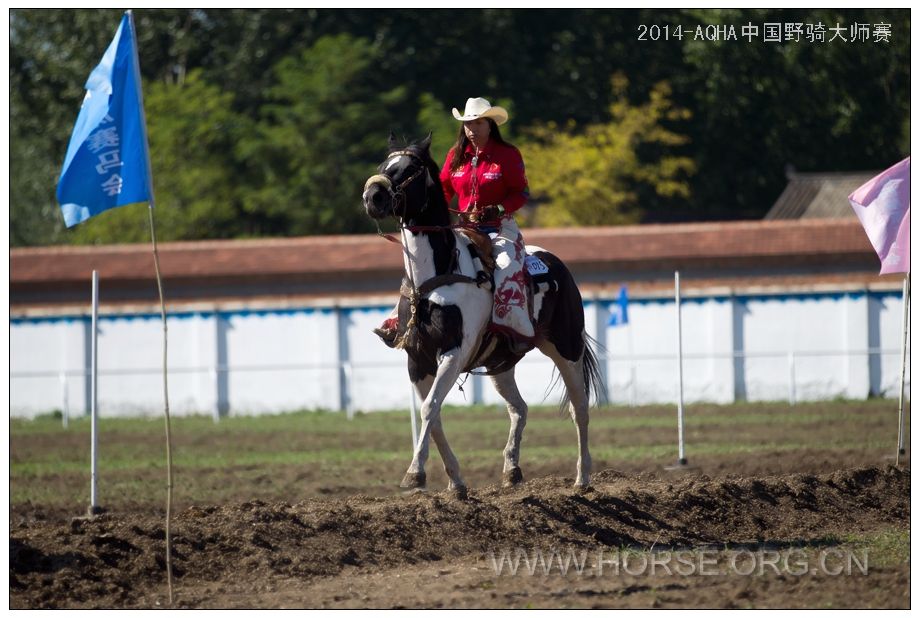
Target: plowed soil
(350, 538)
(430, 550)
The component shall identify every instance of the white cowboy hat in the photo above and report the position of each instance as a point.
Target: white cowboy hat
(480, 108)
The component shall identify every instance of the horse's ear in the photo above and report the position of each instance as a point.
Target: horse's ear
(392, 141)
(425, 144)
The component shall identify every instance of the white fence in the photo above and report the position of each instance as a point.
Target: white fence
(623, 384)
(788, 346)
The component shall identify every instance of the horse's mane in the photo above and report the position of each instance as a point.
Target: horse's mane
(424, 153)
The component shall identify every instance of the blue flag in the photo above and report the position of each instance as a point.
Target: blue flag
(107, 163)
(619, 313)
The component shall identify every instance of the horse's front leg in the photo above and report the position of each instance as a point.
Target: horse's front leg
(415, 477)
(432, 391)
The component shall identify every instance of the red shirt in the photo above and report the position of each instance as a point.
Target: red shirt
(499, 178)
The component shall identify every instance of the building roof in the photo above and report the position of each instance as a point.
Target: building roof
(752, 253)
(818, 196)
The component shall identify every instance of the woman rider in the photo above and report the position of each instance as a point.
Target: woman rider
(486, 173)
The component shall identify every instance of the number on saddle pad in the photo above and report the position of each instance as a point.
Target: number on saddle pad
(535, 265)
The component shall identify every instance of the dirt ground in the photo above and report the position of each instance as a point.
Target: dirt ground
(772, 529)
(430, 550)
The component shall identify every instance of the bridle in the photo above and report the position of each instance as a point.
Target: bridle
(398, 194)
(398, 197)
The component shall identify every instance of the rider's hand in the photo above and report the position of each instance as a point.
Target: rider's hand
(493, 212)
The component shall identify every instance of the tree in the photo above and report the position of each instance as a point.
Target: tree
(434, 116)
(320, 137)
(818, 106)
(51, 55)
(192, 133)
(314, 92)
(591, 175)
(47, 72)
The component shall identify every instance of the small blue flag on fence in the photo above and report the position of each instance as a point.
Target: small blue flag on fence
(107, 162)
(619, 313)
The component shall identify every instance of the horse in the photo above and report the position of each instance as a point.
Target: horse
(445, 309)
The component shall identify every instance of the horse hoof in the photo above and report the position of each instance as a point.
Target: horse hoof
(512, 477)
(459, 492)
(582, 489)
(413, 480)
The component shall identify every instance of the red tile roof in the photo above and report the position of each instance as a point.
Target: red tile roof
(367, 263)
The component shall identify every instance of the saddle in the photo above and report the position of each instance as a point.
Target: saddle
(483, 245)
(538, 274)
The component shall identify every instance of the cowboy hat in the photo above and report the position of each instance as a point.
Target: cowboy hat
(480, 108)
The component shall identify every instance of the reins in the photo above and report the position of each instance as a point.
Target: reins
(422, 228)
(398, 196)
(413, 292)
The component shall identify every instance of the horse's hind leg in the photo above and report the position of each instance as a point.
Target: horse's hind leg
(573, 376)
(506, 386)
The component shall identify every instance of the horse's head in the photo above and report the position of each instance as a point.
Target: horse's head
(400, 186)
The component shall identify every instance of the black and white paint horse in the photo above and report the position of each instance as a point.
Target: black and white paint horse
(446, 307)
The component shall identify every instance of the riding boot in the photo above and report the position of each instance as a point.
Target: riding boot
(510, 312)
(389, 329)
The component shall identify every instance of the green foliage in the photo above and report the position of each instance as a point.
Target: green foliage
(814, 106)
(435, 117)
(192, 132)
(274, 118)
(47, 72)
(588, 176)
(319, 137)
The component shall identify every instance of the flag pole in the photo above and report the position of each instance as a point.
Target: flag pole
(905, 302)
(156, 266)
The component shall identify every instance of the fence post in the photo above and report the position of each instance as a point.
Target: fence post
(214, 366)
(791, 378)
(65, 401)
(215, 379)
(347, 380)
(905, 337)
(343, 362)
(413, 410)
(633, 397)
(596, 327)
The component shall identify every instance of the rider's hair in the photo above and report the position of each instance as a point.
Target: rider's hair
(459, 147)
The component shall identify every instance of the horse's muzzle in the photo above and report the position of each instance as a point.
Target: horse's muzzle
(377, 201)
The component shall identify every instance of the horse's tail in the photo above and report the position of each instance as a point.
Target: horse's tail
(594, 381)
(591, 372)
(566, 324)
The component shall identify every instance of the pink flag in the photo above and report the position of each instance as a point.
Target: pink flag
(883, 208)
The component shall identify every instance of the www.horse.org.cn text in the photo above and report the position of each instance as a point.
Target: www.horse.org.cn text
(603, 562)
